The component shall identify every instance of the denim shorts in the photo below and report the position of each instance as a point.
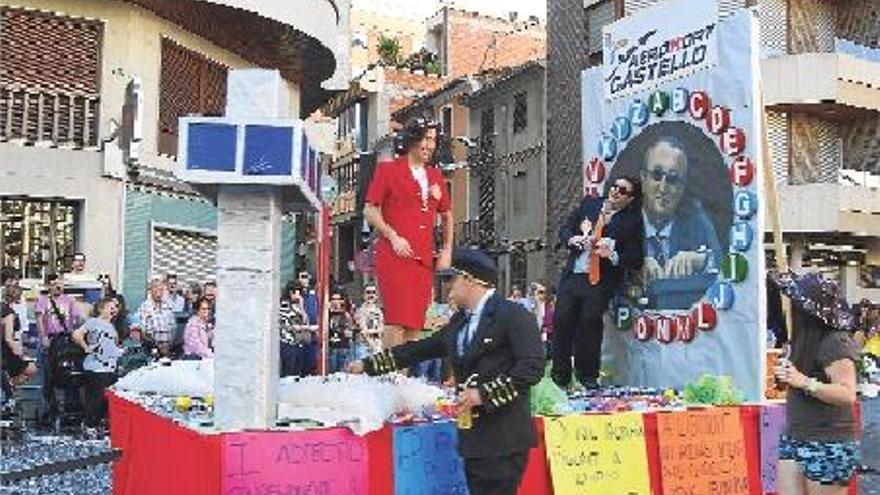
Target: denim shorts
(829, 463)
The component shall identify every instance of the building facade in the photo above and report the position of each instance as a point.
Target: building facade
(469, 42)
(365, 136)
(821, 89)
(508, 193)
(90, 94)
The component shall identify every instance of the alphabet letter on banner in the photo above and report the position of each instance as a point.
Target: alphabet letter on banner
(699, 105)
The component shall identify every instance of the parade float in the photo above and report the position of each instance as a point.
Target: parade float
(685, 410)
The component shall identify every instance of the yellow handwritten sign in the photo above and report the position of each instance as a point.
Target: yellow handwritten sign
(703, 452)
(598, 454)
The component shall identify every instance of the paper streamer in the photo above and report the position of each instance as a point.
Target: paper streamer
(598, 454)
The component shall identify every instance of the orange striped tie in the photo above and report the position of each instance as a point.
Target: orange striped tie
(594, 254)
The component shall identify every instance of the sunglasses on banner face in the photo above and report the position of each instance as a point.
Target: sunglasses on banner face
(672, 178)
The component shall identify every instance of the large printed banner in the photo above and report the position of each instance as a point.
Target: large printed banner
(639, 55)
(692, 138)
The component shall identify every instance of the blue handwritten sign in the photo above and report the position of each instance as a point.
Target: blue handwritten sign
(426, 461)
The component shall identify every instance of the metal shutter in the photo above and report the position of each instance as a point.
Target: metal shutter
(777, 138)
(190, 84)
(815, 149)
(861, 144)
(725, 7)
(812, 24)
(191, 255)
(774, 27)
(859, 21)
(49, 78)
(41, 50)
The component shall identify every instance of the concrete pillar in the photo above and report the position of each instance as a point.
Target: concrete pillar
(246, 336)
(849, 282)
(798, 249)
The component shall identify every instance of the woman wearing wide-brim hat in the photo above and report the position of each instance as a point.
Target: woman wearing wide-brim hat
(819, 451)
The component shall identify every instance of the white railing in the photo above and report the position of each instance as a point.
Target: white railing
(51, 117)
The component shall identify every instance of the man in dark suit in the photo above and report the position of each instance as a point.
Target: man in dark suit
(604, 237)
(497, 355)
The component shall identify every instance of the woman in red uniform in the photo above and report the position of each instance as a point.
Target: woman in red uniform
(403, 201)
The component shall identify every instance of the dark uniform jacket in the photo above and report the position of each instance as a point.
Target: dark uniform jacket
(626, 228)
(506, 354)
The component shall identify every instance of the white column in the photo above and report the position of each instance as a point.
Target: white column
(246, 336)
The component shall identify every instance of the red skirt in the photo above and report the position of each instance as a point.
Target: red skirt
(405, 286)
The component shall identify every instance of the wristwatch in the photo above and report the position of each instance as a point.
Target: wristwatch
(812, 386)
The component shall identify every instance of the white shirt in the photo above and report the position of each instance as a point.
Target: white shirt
(421, 176)
(466, 334)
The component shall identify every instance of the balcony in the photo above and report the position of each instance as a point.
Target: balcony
(44, 117)
(353, 177)
(830, 208)
(835, 84)
(300, 39)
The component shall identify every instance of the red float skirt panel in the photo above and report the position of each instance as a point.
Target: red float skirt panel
(405, 285)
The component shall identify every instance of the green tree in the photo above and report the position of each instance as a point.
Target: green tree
(389, 50)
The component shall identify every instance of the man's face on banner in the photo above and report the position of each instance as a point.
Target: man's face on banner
(664, 178)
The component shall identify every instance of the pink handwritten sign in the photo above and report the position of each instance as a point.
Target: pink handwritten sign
(325, 462)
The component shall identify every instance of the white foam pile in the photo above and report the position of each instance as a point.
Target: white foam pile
(360, 402)
(175, 378)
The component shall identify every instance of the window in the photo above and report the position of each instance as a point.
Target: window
(37, 236)
(363, 124)
(50, 78)
(189, 84)
(520, 194)
(446, 121)
(346, 247)
(487, 122)
(598, 15)
(520, 112)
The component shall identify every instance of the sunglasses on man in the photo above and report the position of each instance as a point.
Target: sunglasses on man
(621, 189)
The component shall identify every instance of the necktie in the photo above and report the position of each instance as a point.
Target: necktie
(656, 242)
(464, 335)
(594, 253)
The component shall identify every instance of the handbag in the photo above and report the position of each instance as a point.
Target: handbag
(65, 356)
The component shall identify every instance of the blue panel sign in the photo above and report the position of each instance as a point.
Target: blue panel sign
(268, 150)
(426, 461)
(211, 147)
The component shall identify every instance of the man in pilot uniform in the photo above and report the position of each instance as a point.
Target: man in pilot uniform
(497, 356)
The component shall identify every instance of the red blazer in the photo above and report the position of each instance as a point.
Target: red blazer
(395, 191)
